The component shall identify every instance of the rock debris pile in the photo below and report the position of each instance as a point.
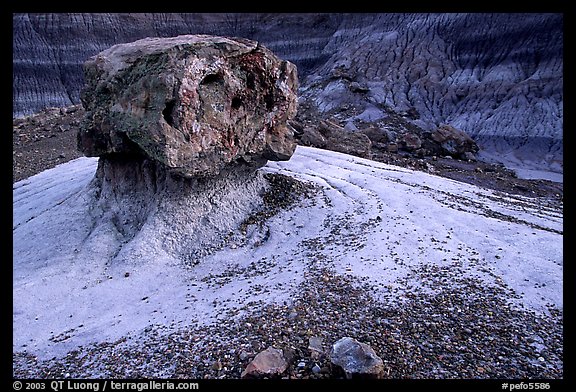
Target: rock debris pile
(366, 137)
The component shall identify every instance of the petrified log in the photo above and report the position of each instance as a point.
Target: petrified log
(196, 104)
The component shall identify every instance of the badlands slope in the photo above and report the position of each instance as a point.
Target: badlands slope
(373, 223)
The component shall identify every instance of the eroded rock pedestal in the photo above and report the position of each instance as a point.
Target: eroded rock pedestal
(181, 126)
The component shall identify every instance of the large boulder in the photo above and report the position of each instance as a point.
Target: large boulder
(180, 125)
(197, 104)
(454, 142)
(341, 140)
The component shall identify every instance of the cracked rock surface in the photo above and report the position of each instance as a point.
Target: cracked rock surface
(194, 103)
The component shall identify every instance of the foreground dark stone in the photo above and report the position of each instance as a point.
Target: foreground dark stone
(194, 103)
(358, 360)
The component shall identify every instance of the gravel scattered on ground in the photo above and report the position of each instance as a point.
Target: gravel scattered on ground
(464, 329)
(44, 140)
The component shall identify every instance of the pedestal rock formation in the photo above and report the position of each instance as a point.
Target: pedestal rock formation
(181, 125)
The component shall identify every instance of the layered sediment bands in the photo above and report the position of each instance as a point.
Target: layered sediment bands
(49, 49)
(497, 77)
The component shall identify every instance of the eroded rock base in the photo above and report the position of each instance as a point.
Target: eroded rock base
(143, 210)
